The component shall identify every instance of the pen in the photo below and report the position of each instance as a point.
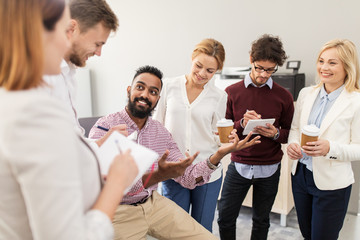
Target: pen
(118, 146)
(102, 128)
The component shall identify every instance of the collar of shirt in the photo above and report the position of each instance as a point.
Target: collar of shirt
(248, 81)
(130, 123)
(331, 96)
(66, 67)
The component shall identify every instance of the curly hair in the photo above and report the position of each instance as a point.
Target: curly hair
(268, 48)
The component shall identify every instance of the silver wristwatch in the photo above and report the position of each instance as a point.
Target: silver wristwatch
(212, 166)
(276, 136)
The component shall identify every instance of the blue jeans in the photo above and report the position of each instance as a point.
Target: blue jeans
(234, 191)
(320, 213)
(202, 199)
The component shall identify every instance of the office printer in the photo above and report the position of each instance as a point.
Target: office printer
(293, 82)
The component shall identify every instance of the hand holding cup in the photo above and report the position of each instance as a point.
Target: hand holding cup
(309, 133)
(224, 126)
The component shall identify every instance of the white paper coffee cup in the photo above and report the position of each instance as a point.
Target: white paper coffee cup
(224, 126)
(309, 133)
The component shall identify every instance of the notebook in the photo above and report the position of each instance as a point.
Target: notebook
(144, 157)
(252, 123)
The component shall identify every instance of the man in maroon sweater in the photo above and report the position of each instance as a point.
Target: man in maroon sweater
(256, 97)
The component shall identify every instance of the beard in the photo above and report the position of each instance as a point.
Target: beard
(140, 112)
(75, 57)
(76, 60)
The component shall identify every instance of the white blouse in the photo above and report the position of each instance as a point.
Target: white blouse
(49, 177)
(192, 126)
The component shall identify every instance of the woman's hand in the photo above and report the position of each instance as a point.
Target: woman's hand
(318, 148)
(294, 151)
(122, 173)
(123, 169)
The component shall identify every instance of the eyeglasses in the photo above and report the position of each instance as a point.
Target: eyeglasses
(268, 71)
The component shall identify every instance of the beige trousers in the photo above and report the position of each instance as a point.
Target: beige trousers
(158, 217)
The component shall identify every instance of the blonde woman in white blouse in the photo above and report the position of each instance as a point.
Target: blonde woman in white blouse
(189, 107)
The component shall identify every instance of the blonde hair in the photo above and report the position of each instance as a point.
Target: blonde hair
(347, 53)
(22, 24)
(213, 48)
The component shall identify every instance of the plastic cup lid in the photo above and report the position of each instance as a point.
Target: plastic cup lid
(225, 123)
(311, 130)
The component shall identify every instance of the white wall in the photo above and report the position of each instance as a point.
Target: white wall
(163, 33)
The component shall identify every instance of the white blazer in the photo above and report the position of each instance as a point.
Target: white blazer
(341, 127)
(49, 176)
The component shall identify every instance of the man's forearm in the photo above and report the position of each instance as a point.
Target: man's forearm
(216, 158)
(154, 178)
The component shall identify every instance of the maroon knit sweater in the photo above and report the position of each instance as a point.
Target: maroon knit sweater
(270, 103)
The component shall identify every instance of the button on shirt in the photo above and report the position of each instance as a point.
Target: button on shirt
(321, 107)
(154, 136)
(256, 171)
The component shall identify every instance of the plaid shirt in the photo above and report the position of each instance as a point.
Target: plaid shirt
(156, 137)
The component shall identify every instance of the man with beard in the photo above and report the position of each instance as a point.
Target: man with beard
(257, 96)
(89, 28)
(143, 211)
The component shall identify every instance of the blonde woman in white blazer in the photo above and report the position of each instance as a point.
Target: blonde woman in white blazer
(50, 184)
(322, 174)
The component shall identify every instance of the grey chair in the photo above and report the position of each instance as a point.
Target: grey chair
(87, 123)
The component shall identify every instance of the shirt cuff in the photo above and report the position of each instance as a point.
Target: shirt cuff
(203, 170)
(331, 155)
(92, 143)
(98, 225)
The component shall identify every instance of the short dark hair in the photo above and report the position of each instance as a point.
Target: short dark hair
(268, 48)
(89, 13)
(149, 69)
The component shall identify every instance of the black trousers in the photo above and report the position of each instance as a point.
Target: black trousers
(233, 194)
(320, 213)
